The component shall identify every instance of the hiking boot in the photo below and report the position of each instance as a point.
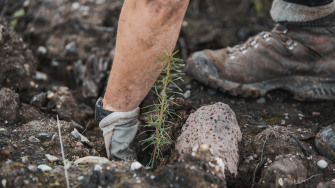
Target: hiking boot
(289, 58)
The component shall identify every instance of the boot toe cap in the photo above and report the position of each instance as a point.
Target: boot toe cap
(201, 67)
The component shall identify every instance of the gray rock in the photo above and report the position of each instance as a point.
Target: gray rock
(216, 126)
(325, 142)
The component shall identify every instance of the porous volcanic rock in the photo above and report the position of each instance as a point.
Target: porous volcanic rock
(216, 126)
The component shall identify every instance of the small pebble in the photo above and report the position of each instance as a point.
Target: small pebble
(100, 1)
(32, 168)
(211, 91)
(42, 50)
(251, 158)
(41, 76)
(43, 135)
(322, 164)
(188, 86)
(282, 122)
(3, 130)
(219, 161)
(51, 158)
(50, 95)
(211, 165)
(262, 126)
(135, 165)
(4, 182)
(195, 148)
(316, 113)
(80, 178)
(24, 159)
(203, 147)
(54, 63)
(71, 47)
(44, 168)
(75, 6)
(211, 151)
(261, 100)
(33, 139)
(281, 182)
(187, 94)
(97, 168)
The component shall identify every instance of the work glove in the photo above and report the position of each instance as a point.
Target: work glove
(119, 130)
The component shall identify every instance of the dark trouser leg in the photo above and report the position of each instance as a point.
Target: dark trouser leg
(304, 12)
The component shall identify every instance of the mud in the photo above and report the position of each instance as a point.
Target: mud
(70, 45)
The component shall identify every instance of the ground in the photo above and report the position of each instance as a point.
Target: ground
(63, 52)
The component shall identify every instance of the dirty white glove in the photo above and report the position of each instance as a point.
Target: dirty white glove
(119, 130)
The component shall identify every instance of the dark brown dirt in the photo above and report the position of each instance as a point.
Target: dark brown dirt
(79, 44)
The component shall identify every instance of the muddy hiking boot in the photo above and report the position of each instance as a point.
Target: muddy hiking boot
(299, 60)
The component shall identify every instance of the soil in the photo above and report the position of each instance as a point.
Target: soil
(63, 52)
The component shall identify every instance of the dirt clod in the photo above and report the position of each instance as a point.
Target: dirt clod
(285, 171)
(9, 105)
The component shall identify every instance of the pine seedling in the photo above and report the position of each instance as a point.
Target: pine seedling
(157, 118)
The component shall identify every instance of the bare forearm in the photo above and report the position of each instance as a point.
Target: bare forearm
(146, 29)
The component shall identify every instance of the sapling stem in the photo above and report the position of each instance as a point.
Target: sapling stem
(156, 118)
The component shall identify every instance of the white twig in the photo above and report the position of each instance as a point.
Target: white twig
(62, 150)
(303, 181)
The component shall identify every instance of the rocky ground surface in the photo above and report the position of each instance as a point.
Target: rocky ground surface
(55, 58)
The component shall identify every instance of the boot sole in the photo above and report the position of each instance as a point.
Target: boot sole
(303, 87)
